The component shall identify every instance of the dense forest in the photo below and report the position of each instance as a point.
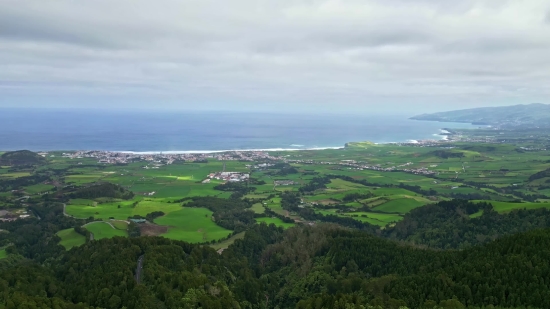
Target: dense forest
(448, 225)
(324, 266)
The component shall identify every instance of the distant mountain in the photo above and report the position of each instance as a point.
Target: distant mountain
(530, 115)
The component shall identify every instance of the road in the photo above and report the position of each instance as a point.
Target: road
(139, 269)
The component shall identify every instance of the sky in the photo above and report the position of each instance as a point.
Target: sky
(274, 55)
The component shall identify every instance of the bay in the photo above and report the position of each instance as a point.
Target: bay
(155, 131)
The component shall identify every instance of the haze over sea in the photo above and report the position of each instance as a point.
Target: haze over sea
(155, 131)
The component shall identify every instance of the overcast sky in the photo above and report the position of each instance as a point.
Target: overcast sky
(310, 55)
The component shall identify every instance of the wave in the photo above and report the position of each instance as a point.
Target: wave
(220, 151)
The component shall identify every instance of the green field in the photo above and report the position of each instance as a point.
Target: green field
(112, 210)
(192, 225)
(401, 205)
(15, 175)
(226, 243)
(258, 208)
(103, 230)
(70, 238)
(38, 188)
(3, 254)
(120, 225)
(276, 221)
(503, 207)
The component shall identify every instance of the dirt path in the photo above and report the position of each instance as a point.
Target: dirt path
(91, 236)
(139, 269)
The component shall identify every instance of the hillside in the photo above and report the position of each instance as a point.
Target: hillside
(21, 157)
(530, 115)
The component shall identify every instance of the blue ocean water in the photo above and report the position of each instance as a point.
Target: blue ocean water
(143, 131)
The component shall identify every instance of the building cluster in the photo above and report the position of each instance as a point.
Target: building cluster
(110, 157)
(229, 176)
(9, 216)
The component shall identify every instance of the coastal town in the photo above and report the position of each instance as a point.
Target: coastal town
(110, 157)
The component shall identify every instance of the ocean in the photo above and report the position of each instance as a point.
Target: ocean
(155, 131)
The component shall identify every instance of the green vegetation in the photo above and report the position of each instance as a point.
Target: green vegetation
(346, 228)
(120, 225)
(400, 205)
(102, 230)
(192, 225)
(228, 242)
(278, 222)
(21, 157)
(70, 238)
(258, 208)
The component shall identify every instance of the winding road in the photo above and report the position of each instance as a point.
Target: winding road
(139, 269)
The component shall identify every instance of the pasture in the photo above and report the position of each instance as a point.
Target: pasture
(3, 254)
(70, 238)
(104, 230)
(193, 225)
(119, 210)
(400, 205)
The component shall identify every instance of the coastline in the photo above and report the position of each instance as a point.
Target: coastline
(221, 151)
(443, 137)
(443, 134)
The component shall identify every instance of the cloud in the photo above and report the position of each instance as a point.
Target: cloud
(287, 53)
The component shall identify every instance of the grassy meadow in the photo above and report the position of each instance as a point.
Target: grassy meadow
(70, 238)
(104, 230)
(192, 225)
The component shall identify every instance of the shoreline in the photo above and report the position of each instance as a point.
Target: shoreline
(221, 151)
(443, 135)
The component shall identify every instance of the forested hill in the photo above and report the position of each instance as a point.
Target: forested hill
(21, 157)
(460, 224)
(530, 115)
(324, 266)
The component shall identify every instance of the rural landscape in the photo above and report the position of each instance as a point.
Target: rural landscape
(397, 225)
(363, 183)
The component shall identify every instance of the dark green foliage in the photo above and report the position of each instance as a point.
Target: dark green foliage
(316, 183)
(133, 229)
(232, 214)
(17, 183)
(323, 266)
(155, 214)
(448, 224)
(446, 154)
(37, 239)
(540, 175)
(356, 196)
(103, 190)
(21, 157)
